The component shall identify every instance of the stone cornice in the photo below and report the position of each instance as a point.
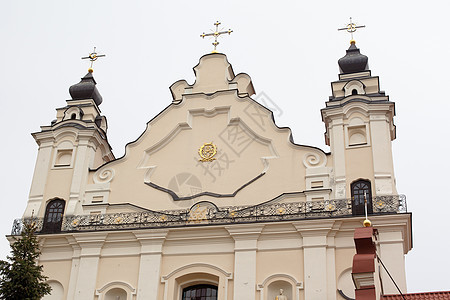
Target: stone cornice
(155, 234)
(245, 231)
(245, 236)
(90, 238)
(151, 242)
(44, 138)
(90, 136)
(82, 102)
(371, 107)
(314, 227)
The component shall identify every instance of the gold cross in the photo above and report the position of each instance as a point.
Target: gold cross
(93, 56)
(216, 34)
(351, 27)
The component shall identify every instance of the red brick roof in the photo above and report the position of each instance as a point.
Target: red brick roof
(420, 296)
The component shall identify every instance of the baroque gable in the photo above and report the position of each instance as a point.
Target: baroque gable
(254, 160)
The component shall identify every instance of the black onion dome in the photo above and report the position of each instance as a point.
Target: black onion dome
(86, 89)
(353, 61)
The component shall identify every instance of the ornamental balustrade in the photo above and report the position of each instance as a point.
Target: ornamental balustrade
(206, 213)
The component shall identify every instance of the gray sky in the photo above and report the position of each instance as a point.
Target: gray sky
(289, 48)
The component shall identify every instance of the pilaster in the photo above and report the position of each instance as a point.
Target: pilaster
(74, 269)
(43, 163)
(85, 155)
(382, 154)
(318, 260)
(331, 266)
(90, 249)
(338, 150)
(245, 247)
(391, 253)
(150, 263)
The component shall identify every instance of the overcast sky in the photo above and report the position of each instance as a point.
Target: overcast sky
(289, 48)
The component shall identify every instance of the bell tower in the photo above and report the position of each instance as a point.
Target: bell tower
(359, 128)
(71, 145)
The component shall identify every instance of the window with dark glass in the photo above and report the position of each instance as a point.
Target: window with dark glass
(53, 216)
(200, 292)
(361, 189)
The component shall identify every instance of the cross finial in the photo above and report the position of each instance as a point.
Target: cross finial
(351, 27)
(93, 56)
(216, 34)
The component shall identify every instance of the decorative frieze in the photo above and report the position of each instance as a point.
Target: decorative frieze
(213, 215)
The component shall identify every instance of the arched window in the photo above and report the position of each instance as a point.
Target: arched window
(360, 189)
(53, 216)
(200, 292)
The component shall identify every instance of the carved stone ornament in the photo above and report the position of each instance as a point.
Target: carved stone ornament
(312, 160)
(207, 152)
(104, 175)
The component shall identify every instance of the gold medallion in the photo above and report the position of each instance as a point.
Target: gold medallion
(207, 152)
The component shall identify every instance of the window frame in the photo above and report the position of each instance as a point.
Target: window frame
(53, 216)
(358, 198)
(197, 287)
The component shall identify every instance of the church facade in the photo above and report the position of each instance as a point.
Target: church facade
(214, 200)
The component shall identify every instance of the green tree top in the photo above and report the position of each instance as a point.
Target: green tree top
(20, 276)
